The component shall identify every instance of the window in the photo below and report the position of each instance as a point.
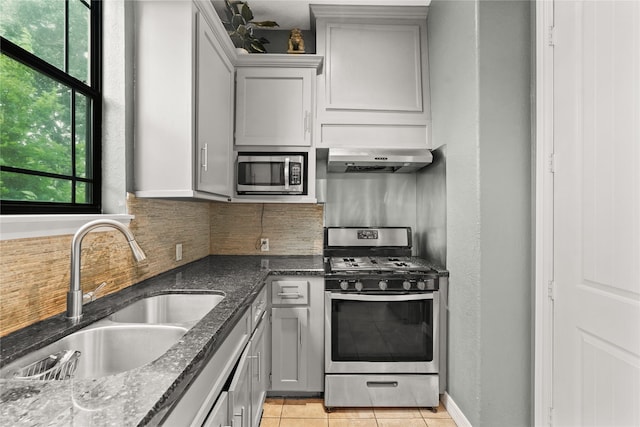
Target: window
(50, 106)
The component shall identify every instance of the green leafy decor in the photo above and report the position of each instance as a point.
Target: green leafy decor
(240, 25)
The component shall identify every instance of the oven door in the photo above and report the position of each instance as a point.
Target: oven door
(381, 333)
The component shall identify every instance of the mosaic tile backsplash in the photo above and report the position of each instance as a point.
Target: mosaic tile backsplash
(34, 272)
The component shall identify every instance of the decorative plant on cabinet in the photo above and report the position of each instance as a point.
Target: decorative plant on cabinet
(240, 26)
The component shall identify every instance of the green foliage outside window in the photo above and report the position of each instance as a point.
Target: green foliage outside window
(46, 143)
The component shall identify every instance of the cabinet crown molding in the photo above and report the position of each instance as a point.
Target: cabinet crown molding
(277, 60)
(353, 12)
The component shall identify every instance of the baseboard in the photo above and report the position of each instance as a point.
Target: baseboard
(454, 411)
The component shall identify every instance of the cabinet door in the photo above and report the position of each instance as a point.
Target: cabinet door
(274, 106)
(219, 415)
(259, 370)
(240, 393)
(373, 90)
(290, 331)
(214, 113)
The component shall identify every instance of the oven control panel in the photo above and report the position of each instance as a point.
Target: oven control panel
(378, 284)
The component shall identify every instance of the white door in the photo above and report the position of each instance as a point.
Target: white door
(596, 356)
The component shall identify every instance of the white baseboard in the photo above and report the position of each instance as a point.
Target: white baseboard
(454, 411)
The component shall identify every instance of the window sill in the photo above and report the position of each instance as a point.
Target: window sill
(29, 226)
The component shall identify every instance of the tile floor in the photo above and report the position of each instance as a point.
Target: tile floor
(285, 412)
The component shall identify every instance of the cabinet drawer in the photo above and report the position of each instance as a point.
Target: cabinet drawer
(290, 292)
(381, 390)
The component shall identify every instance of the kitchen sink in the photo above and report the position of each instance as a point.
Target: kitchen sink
(103, 350)
(132, 337)
(168, 308)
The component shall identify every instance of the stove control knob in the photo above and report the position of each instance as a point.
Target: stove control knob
(344, 285)
(382, 284)
(359, 286)
(406, 285)
(421, 285)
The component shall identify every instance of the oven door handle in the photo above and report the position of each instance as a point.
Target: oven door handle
(385, 297)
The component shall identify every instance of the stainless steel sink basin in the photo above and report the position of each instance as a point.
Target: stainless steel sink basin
(168, 308)
(105, 350)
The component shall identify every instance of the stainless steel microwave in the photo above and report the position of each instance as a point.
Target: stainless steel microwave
(271, 173)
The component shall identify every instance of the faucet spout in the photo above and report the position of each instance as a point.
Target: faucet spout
(74, 296)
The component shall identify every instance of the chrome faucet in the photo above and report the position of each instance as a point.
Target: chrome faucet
(74, 296)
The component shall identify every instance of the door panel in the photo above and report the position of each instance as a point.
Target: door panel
(214, 114)
(289, 353)
(596, 357)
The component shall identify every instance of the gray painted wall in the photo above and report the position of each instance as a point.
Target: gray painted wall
(480, 76)
(430, 232)
(505, 212)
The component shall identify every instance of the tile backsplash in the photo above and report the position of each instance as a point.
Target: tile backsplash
(292, 229)
(34, 273)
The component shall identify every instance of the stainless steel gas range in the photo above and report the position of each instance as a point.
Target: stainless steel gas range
(384, 314)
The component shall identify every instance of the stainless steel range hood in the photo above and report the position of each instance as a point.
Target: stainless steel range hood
(377, 160)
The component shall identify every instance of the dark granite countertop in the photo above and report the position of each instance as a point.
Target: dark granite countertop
(142, 396)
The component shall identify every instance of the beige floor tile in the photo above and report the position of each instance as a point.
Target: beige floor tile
(303, 422)
(440, 422)
(269, 422)
(352, 413)
(272, 407)
(304, 408)
(441, 413)
(404, 422)
(389, 413)
(346, 422)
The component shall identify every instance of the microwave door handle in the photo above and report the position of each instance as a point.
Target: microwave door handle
(286, 173)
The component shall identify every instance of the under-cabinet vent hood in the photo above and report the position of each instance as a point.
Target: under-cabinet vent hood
(377, 160)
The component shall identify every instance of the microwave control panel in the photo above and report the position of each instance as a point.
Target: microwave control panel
(295, 177)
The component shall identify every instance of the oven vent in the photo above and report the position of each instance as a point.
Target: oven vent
(354, 160)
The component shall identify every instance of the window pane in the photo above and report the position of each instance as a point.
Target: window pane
(79, 36)
(20, 187)
(83, 192)
(36, 127)
(36, 26)
(83, 137)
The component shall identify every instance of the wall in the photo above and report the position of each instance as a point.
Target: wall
(430, 236)
(367, 199)
(294, 229)
(479, 59)
(34, 273)
(505, 212)
(453, 58)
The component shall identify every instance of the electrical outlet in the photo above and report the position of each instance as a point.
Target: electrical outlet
(264, 245)
(178, 251)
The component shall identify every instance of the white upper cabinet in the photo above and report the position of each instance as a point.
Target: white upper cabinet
(373, 91)
(275, 100)
(184, 91)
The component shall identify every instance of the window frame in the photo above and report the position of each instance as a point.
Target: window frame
(94, 93)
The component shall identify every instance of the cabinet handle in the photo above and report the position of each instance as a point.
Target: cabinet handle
(286, 173)
(205, 158)
(306, 122)
(382, 383)
(290, 295)
(259, 367)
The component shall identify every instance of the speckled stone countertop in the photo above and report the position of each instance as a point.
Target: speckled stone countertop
(142, 396)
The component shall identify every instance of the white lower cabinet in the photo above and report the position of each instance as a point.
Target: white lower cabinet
(290, 349)
(240, 392)
(285, 354)
(297, 334)
(260, 369)
(219, 415)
